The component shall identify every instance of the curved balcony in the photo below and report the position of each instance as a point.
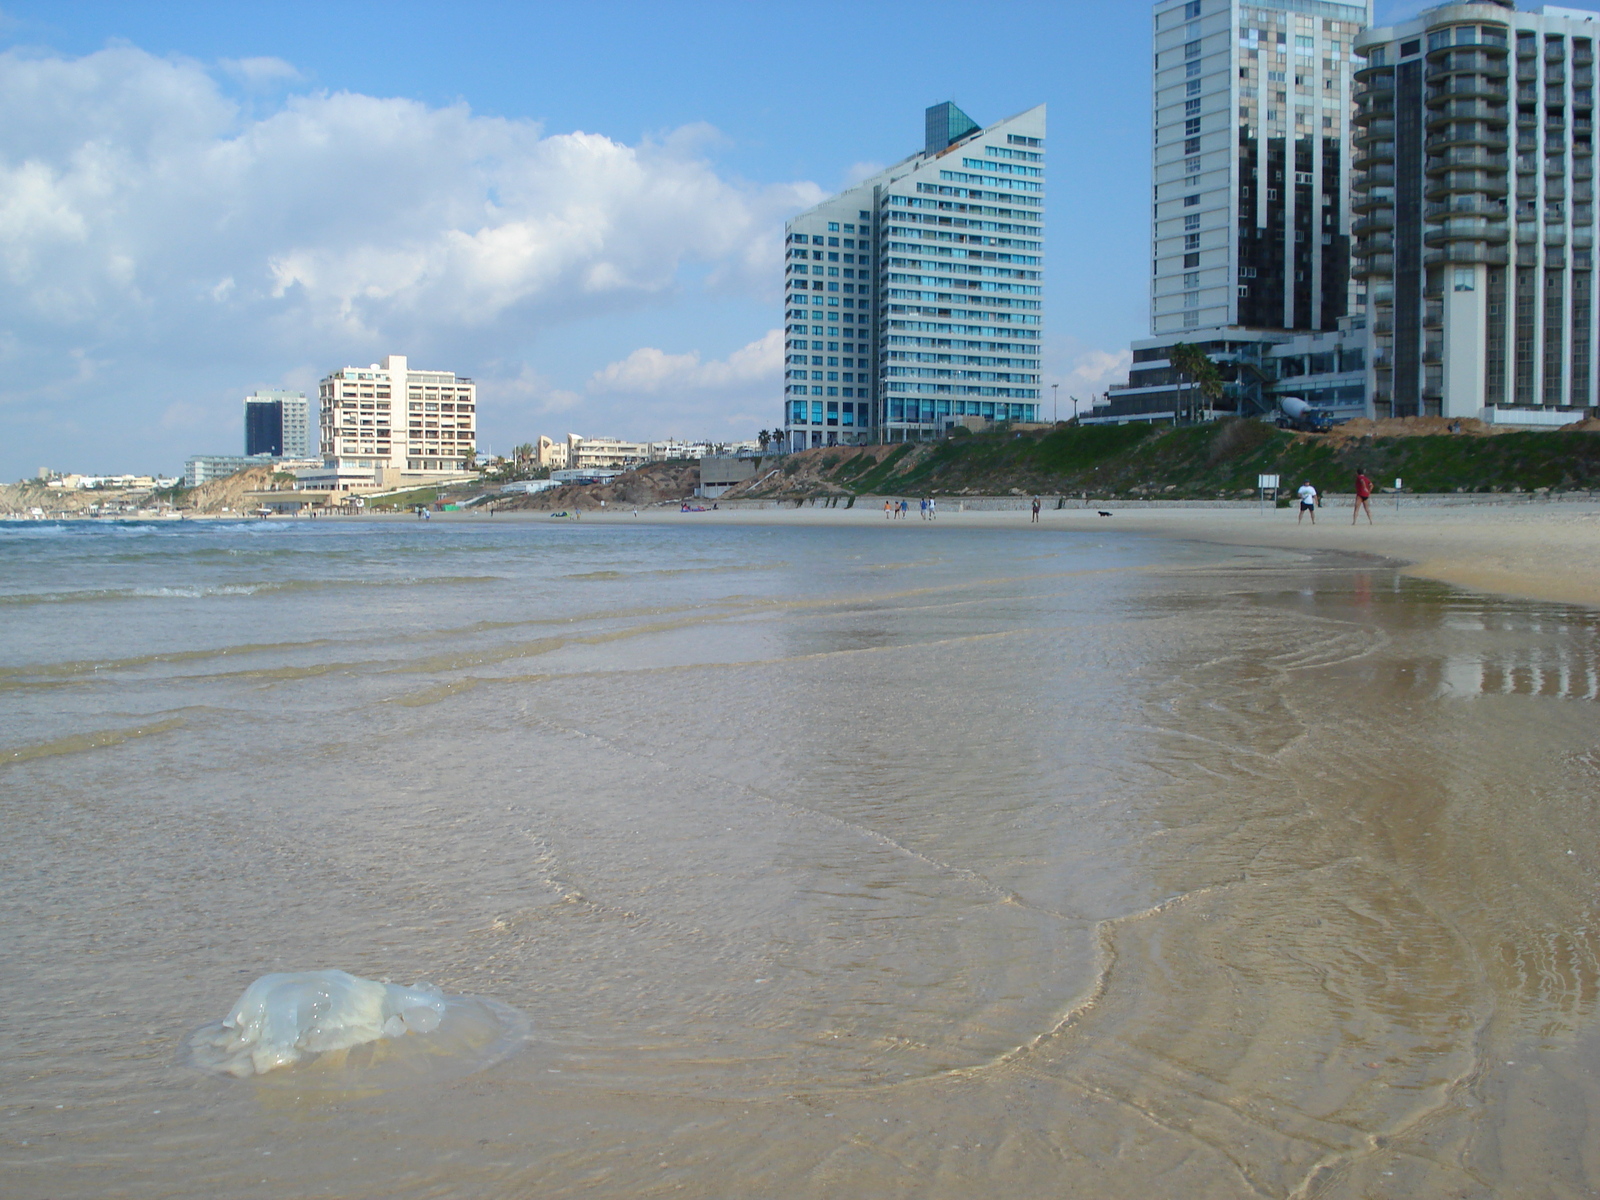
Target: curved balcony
(1374, 79)
(1555, 235)
(1467, 87)
(1379, 221)
(1379, 265)
(1466, 252)
(1455, 160)
(1377, 131)
(1448, 60)
(1468, 110)
(1378, 176)
(1375, 155)
(1465, 204)
(1468, 135)
(1455, 183)
(1377, 243)
(1478, 231)
(1369, 201)
(1433, 317)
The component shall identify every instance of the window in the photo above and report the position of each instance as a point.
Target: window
(1192, 68)
(1192, 279)
(1194, 86)
(833, 227)
(1191, 220)
(1191, 10)
(1191, 49)
(1466, 280)
(1190, 107)
(833, 242)
(1191, 241)
(849, 229)
(1191, 260)
(1190, 201)
(1410, 48)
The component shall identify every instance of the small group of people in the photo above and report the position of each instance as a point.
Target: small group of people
(1309, 499)
(895, 509)
(930, 510)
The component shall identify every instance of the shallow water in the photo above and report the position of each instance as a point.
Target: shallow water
(890, 860)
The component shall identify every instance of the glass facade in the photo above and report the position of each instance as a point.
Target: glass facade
(915, 300)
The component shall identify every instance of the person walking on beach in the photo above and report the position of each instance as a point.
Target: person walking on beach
(1035, 520)
(933, 509)
(1363, 495)
(886, 507)
(1308, 503)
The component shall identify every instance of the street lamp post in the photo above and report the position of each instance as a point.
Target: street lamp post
(1055, 398)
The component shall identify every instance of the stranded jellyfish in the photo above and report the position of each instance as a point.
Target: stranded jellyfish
(332, 1023)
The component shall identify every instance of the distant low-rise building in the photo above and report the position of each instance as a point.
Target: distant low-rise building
(604, 453)
(550, 453)
(203, 468)
(720, 472)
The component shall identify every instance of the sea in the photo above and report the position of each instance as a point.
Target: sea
(862, 859)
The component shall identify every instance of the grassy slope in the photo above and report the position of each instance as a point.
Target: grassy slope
(1212, 460)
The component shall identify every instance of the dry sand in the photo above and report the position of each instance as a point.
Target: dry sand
(1540, 551)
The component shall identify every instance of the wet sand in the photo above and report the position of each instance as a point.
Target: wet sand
(825, 859)
(1540, 551)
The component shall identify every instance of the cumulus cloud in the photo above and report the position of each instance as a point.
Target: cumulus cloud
(150, 222)
(650, 372)
(261, 72)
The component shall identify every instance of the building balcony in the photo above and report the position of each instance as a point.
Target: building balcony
(1383, 325)
(1365, 197)
(1583, 238)
(1378, 221)
(1583, 169)
(1465, 183)
(1375, 154)
(1454, 160)
(1555, 235)
(1374, 131)
(1473, 231)
(1375, 80)
(1468, 110)
(1377, 243)
(1486, 61)
(1466, 137)
(1466, 252)
(1465, 205)
(1433, 317)
(1370, 265)
(1376, 177)
(1433, 353)
(1467, 87)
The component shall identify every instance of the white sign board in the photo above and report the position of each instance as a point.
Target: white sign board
(1265, 482)
(1397, 485)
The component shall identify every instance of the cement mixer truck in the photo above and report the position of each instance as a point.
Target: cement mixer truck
(1294, 413)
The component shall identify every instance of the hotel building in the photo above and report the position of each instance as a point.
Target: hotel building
(1251, 216)
(277, 423)
(1475, 203)
(914, 300)
(385, 421)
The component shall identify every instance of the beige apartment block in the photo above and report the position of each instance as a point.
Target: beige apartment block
(552, 454)
(603, 454)
(388, 420)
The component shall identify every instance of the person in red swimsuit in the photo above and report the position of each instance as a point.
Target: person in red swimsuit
(1363, 495)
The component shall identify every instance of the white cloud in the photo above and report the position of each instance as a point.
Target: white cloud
(151, 221)
(649, 371)
(1093, 371)
(261, 73)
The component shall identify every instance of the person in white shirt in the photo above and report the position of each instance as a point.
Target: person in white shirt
(1308, 503)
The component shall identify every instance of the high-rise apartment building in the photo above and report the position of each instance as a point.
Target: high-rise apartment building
(1251, 163)
(1475, 202)
(387, 420)
(277, 423)
(915, 299)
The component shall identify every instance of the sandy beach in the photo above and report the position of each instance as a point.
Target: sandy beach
(1528, 549)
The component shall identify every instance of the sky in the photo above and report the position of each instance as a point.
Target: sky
(578, 205)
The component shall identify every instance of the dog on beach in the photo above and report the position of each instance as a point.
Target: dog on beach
(1102, 512)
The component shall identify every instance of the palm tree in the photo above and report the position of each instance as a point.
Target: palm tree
(1192, 364)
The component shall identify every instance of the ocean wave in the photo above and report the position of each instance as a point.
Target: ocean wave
(213, 591)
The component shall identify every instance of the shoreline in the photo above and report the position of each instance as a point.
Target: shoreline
(1533, 548)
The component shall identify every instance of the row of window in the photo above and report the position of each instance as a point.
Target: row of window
(817, 360)
(916, 264)
(934, 189)
(953, 252)
(849, 347)
(950, 206)
(833, 376)
(954, 238)
(800, 389)
(816, 239)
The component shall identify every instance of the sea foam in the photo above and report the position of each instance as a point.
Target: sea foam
(285, 1017)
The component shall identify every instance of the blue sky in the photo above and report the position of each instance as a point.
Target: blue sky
(578, 204)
